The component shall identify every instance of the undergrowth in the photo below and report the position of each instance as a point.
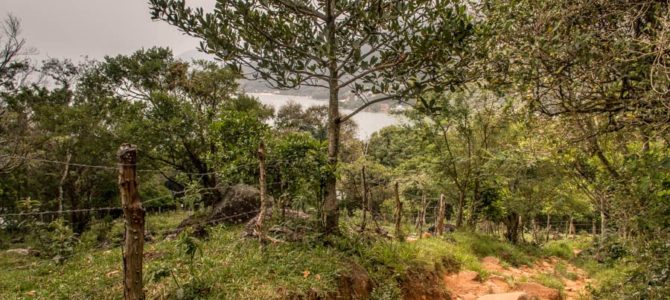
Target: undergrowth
(226, 266)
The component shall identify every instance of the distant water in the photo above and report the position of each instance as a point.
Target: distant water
(368, 122)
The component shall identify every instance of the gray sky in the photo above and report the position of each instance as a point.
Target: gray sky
(74, 28)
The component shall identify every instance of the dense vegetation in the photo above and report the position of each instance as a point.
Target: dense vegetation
(534, 119)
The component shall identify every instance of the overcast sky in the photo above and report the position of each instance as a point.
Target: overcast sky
(95, 28)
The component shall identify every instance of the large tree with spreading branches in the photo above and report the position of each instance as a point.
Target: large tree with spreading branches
(378, 50)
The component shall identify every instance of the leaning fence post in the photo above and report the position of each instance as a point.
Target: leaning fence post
(133, 214)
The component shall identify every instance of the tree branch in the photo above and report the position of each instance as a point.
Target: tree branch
(366, 105)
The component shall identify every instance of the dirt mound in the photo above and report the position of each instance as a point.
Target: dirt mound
(354, 284)
(538, 291)
(505, 296)
(420, 284)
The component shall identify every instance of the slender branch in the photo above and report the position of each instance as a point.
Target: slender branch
(366, 105)
(302, 9)
(377, 68)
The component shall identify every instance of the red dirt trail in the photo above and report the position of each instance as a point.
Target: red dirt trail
(467, 285)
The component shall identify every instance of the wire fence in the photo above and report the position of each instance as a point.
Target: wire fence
(152, 232)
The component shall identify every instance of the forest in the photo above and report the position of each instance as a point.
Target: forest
(534, 138)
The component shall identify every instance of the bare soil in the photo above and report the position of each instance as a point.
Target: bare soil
(467, 285)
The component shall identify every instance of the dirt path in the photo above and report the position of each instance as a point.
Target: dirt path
(467, 285)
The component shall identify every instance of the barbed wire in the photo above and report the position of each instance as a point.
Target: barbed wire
(159, 232)
(116, 166)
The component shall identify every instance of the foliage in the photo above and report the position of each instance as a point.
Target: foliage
(55, 240)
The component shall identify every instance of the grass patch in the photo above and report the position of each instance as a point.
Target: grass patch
(226, 266)
(549, 280)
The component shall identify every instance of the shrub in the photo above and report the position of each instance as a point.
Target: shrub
(55, 240)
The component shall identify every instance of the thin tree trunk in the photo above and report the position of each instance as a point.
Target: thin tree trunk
(548, 227)
(62, 182)
(260, 230)
(593, 227)
(534, 226)
(461, 203)
(603, 222)
(424, 208)
(440, 216)
(475, 202)
(398, 213)
(421, 218)
(522, 228)
(364, 204)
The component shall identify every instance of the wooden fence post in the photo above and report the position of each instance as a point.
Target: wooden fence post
(398, 213)
(262, 187)
(133, 214)
(440, 216)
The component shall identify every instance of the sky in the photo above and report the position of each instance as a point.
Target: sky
(95, 28)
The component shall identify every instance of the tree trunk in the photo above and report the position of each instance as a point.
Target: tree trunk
(440, 216)
(260, 230)
(421, 218)
(424, 208)
(398, 213)
(330, 206)
(512, 224)
(603, 228)
(548, 227)
(62, 182)
(364, 204)
(476, 198)
(134, 222)
(461, 203)
(534, 226)
(593, 227)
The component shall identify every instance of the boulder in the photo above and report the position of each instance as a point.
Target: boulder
(239, 203)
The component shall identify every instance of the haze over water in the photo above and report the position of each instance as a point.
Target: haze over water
(368, 122)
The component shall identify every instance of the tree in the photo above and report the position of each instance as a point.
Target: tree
(174, 111)
(12, 63)
(390, 49)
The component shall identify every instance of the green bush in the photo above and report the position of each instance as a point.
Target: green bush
(54, 240)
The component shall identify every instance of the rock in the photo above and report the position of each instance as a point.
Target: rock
(539, 291)
(505, 296)
(355, 283)
(239, 204)
(22, 251)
